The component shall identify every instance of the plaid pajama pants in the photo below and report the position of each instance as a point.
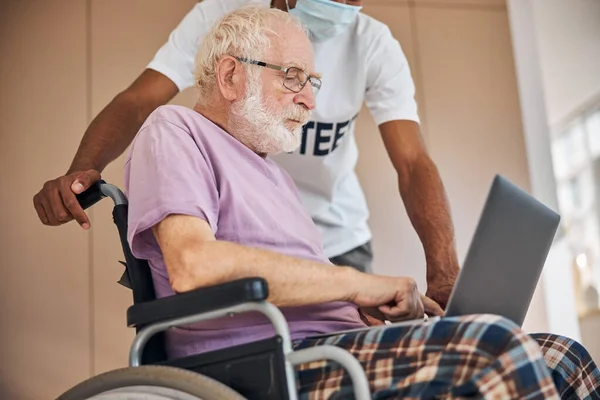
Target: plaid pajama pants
(479, 356)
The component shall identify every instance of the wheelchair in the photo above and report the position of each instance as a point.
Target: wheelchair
(258, 370)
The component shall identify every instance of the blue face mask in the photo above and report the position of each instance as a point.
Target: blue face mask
(324, 19)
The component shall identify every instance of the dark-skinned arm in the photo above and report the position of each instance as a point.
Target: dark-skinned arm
(424, 197)
(106, 138)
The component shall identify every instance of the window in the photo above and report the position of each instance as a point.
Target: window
(576, 160)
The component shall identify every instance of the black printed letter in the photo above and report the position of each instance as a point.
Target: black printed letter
(338, 134)
(322, 139)
(305, 129)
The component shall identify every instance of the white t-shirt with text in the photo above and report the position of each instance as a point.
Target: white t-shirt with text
(363, 64)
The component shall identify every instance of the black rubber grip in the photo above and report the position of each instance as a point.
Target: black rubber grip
(91, 196)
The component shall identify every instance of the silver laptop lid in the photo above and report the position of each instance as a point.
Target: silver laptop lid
(506, 256)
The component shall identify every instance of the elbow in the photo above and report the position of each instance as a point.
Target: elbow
(183, 279)
(129, 100)
(407, 168)
(192, 269)
(181, 284)
(415, 167)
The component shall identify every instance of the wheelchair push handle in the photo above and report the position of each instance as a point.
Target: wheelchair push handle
(99, 190)
(91, 196)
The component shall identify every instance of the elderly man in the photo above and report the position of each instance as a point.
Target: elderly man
(208, 205)
(363, 64)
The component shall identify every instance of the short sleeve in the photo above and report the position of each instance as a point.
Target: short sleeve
(175, 58)
(390, 92)
(167, 174)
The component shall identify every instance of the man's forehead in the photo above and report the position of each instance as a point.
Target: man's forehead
(289, 62)
(294, 62)
(292, 54)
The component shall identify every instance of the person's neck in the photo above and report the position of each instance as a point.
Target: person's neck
(213, 114)
(280, 4)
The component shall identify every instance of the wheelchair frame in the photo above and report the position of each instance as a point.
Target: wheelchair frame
(151, 316)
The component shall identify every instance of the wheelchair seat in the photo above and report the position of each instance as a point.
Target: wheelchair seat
(258, 370)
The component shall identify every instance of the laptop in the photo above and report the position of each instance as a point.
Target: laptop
(505, 258)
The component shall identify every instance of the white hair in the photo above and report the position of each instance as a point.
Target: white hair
(245, 32)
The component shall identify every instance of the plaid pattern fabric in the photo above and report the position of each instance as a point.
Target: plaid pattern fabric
(479, 356)
(575, 374)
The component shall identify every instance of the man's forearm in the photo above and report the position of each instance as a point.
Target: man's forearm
(292, 281)
(109, 134)
(114, 128)
(428, 209)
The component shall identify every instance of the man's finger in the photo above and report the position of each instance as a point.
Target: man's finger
(373, 312)
(73, 207)
(420, 309)
(396, 312)
(60, 212)
(85, 180)
(402, 310)
(39, 208)
(431, 307)
(371, 317)
(52, 220)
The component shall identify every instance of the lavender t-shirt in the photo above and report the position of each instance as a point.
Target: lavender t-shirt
(180, 162)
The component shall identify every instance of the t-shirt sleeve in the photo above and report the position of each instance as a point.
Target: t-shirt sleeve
(168, 174)
(390, 92)
(175, 59)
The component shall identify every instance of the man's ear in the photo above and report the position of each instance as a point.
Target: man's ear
(228, 75)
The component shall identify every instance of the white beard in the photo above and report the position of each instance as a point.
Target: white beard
(262, 130)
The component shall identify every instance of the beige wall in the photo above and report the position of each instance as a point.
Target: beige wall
(62, 316)
(45, 285)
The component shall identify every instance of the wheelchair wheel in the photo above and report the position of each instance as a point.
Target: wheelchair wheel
(150, 382)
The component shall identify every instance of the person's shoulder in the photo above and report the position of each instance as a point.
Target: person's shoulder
(179, 116)
(370, 29)
(374, 36)
(371, 34)
(172, 111)
(168, 123)
(184, 121)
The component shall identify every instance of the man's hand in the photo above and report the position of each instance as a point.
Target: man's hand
(397, 299)
(440, 292)
(441, 283)
(371, 316)
(56, 203)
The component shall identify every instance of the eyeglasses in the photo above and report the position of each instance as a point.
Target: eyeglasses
(294, 79)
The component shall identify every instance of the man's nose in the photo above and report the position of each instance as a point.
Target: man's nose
(306, 96)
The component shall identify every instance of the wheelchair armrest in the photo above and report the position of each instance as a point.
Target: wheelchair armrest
(198, 301)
